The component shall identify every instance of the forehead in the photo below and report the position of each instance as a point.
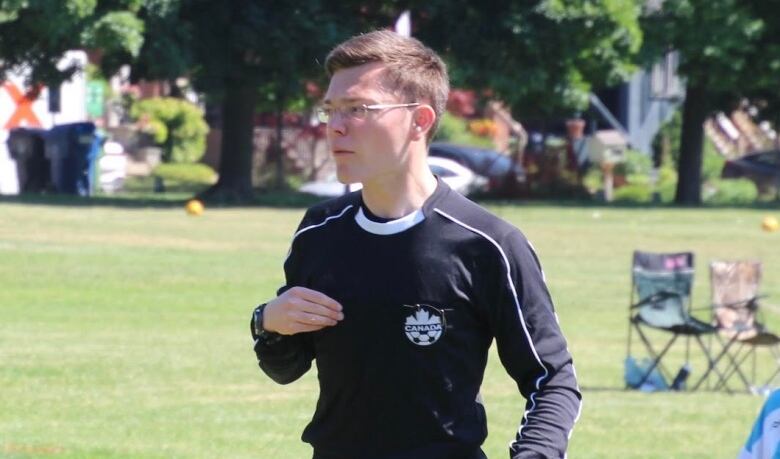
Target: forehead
(363, 82)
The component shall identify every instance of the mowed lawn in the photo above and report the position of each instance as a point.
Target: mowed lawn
(124, 332)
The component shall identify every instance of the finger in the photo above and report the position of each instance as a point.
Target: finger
(319, 310)
(302, 328)
(312, 319)
(318, 297)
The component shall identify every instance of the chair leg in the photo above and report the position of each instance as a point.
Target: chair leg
(713, 362)
(656, 357)
(736, 362)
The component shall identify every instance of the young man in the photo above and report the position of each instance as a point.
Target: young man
(399, 289)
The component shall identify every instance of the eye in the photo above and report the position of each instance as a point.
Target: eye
(356, 111)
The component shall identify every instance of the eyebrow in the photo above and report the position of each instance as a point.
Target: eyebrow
(346, 100)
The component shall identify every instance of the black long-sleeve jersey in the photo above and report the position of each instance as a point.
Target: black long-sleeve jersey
(423, 298)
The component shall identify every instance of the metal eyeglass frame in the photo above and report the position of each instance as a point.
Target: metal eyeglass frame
(356, 112)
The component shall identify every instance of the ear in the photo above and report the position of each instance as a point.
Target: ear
(422, 121)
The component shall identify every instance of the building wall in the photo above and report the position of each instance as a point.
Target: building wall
(645, 112)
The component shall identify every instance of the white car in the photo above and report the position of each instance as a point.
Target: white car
(459, 178)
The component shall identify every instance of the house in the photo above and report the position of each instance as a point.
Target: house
(639, 107)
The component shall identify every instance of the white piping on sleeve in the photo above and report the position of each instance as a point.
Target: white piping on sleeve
(324, 222)
(539, 380)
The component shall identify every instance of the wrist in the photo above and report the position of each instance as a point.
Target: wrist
(259, 328)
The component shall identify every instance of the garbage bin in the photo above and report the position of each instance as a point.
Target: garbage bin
(27, 147)
(72, 150)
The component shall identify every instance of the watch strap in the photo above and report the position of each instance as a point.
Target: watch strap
(256, 326)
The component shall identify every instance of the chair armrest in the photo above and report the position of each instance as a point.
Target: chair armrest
(749, 303)
(656, 297)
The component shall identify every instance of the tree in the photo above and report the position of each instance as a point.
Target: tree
(246, 52)
(728, 52)
(540, 57)
(35, 34)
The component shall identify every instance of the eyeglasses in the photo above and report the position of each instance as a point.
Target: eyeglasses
(355, 112)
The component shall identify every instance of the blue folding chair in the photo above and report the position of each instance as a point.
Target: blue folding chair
(660, 300)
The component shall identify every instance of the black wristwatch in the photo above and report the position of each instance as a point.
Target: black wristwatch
(257, 327)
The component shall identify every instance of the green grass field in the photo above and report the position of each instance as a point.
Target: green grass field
(124, 331)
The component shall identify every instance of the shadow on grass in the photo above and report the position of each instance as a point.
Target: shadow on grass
(606, 389)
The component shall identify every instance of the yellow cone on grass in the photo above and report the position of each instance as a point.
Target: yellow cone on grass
(194, 207)
(770, 223)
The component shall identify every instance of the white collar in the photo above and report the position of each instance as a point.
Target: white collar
(392, 227)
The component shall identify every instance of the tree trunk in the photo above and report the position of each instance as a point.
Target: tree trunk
(235, 162)
(691, 146)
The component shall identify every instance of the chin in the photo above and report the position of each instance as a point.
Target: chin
(346, 177)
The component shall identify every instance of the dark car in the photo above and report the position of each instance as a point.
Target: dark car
(488, 163)
(762, 168)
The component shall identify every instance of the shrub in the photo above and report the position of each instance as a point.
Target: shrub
(730, 192)
(196, 173)
(711, 161)
(456, 130)
(176, 125)
(637, 192)
(636, 163)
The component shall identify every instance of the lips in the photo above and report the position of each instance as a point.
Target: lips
(337, 152)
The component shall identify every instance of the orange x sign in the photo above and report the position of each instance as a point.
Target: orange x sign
(23, 101)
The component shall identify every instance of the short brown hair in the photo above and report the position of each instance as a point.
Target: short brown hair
(412, 68)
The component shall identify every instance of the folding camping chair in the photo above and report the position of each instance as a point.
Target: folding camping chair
(735, 310)
(660, 300)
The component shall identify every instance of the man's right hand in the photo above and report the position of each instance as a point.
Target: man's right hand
(300, 309)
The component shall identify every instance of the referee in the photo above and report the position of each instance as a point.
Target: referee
(399, 289)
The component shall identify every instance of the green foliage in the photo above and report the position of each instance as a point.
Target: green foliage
(167, 47)
(740, 64)
(734, 63)
(117, 31)
(176, 124)
(637, 193)
(730, 192)
(712, 161)
(667, 139)
(637, 171)
(667, 182)
(541, 57)
(184, 173)
(34, 34)
(636, 163)
(454, 129)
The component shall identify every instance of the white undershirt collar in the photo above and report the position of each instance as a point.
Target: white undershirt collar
(392, 227)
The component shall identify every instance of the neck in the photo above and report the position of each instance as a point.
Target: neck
(397, 195)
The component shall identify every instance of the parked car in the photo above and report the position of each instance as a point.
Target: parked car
(459, 178)
(492, 165)
(762, 168)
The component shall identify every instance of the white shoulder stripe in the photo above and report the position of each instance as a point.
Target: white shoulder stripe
(517, 305)
(323, 223)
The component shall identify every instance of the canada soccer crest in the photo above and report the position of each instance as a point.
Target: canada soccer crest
(425, 325)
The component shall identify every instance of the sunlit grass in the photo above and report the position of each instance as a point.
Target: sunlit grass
(124, 331)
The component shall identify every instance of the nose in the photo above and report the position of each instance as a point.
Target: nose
(337, 124)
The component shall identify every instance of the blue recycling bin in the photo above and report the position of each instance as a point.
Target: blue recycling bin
(72, 150)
